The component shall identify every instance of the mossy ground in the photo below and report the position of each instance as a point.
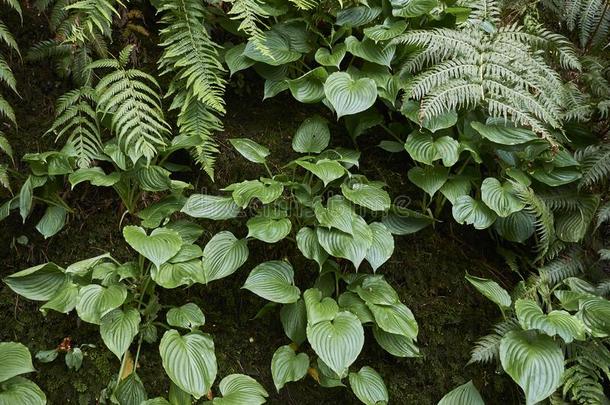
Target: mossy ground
(427, 269)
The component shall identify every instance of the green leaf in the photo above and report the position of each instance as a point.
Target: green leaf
(351, 247)
(424, 148)
(455, 188)
(473, 212)
(595, 313)
(277, 49)
(559, 176)
(325, 169)
(534, 362)
(118, 328)
(337, 342)
(382, 245)
(309, 88)
(95, 301)
(46, 356)
(153, 178)
(15, 359)
(411, 110)
(395, 318)
(462, 395)
(19, 390)
(273, 281)
(319, 309)
(560, 323)
(412, 8)
(308, 244)
(430, 178)
(504, 135)
(250, 150)
(390, 29)
(239, 389)
(491, 290)
(396, 345)
(94, 175)
(287, 366)
(369, 387)
(172, 275)
(26, 196)
(357, 16)
(370, 51)
(337, 214)
(267, 191)
(189, 361)
(158, 247)
(131, 391)
(223, 255)
(369, 195)
(517, 227)
(349, 96)
(274, 87)
(375, 290)
(403, 221)
(188, 231)
(351, 302)
(500, 197)
(38, 283)
(294, 321)
(236, 60)
(327, 58)
(64, 300)
(188, 316)
(312, 136)
(268, 229)
(210, 207)
(52, 221)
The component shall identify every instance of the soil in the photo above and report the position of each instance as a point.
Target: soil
(427, 268)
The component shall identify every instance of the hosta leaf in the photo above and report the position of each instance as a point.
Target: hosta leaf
(153, 178)
(277, 46)
(500, 197)
(131, 391)
(294, 321)
(239, 389)
(325, 169)
(250, 150)
(266, 191)
(308, 244)
(467, 210)
(395, 318)
(64, 300)
(158, 247)
(340, 244)
(52, 221)
(287, 366)
(504, 135)
(154, 214)
(337, 214)
(172, 275)
(236, 60)
(411, 109)
(38, 283)
(19, 390)
(210, 207)
(595, 313)
(94, 175)
(349, 96)
(353, 303)
(456, 187)
(368, 386)
(386, 31)
(273, 281)
(534, 362)
(382, 247)
(430, 178)
(560, 323)
(15, 359)
(312, 136)
(327, 58)
(517, 227)
(274, 87)
(319, 309)
(396, 345)
(559, 176)
(370, 51)
(462, 395)
(189, 361)
(491, 290)
(309, 88)
(268, 229)
(118, 328)
(403, 221)
(375, 290)
(337, 342)
(365, 194)
(412, 8)
(357, 16)
(187, 316)
(94, 301)
(223, 255)
(424, 148)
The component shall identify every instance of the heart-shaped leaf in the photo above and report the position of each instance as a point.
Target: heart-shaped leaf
(595, 313)
(294, 321)
(189, 361)
(403, 221)
(266, 191)
(236, 60)
(396, 319)
(396, 345)
(357, 16)
(391, 28)
(287, 366)
(223, 255)
(309, 88)
(268, 229)
(517, 227)
(308, 244)
(412, 8)
(19, 390)
(424, 148)
(351, 247)
(52, 221)
(556, 322)
(337, 214)
(15, 359)
(366, 194)
(500, 197)
(158, 247)
(273, 281)
(455, 188)
(369, 387)
(239, 389)
(349, 96)
(382, 247)
(327, 58)
(337, 342)
(504, 135)
(38, 283)
(375, 290)
(187, 316)
(473, 212)
(172, 275)
(210, 207)
(250, 150)
(325, 169)
(464, 394)
(370, 51)
(277, 49)
(319, 309)
(491, 290)
(118, 328)
(353, 303)
(429, 178)
(312, 136)
(95, 301)
(94, 175)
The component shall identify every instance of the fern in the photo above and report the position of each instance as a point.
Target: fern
(570, 264)
(251, 14)
(587, 374)
(595, 162)
(590, 17)
(77, 120)
(131, 97)
(486, 349)
(96, 18)
(6, 74)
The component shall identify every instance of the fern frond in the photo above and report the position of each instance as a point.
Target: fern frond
(305, 4)
(95, 16)
(603, 214)
(482, 11)
(486, 349)
(587, 373)
(251, 15)
(570, 264)
(596, 165)
(14, 4)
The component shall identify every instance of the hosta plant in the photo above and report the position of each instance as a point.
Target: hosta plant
(15, 389)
